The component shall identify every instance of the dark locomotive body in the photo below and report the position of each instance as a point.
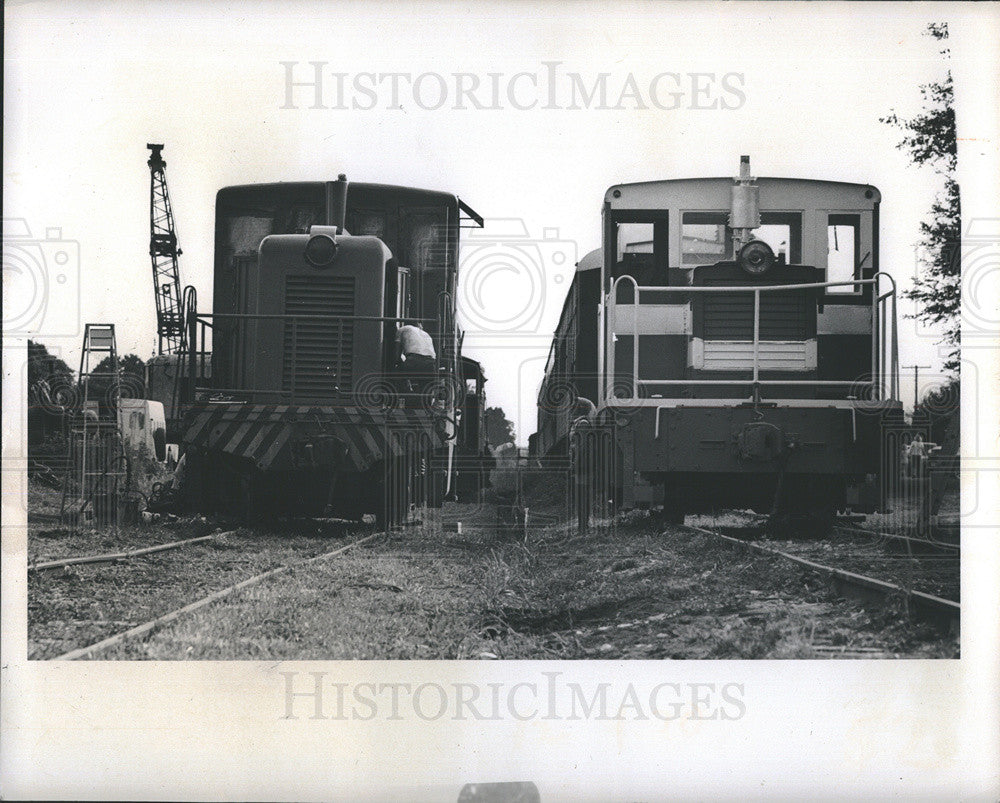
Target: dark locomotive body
(297, 406)
(726, 385)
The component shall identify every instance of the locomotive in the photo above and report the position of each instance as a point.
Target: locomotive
(290, 402)
(738, 342)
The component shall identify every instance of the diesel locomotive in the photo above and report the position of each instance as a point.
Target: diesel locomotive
(290, 398)
(738, 341)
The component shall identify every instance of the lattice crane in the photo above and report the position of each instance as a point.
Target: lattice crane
(163, 252)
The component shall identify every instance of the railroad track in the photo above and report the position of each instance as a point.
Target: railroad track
(913, 545)
(115, 557)
(154, 624)
(943, 612)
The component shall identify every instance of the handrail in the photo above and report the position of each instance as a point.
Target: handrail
(885, 345)
(736, 288)
(200, 323)
(276, 316)
(236, 393)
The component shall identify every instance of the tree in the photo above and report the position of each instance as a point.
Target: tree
(50, 388)
(938, 410)
(131, 378)
(42, 365)
(930, 138)
(499, 429)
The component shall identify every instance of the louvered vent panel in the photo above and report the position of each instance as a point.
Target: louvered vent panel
(318, 353)
(783, 316)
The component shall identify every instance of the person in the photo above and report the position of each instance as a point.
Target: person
(417, 360)
(915, 454)
(506, 488)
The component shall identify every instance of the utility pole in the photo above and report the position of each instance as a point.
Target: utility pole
(916, 375)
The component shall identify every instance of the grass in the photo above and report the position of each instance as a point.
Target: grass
(80, 605)
(375, 603)
(640, 592)
(628, 589)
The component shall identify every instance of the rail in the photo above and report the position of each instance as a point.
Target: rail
(115, 557)
(883, 384)
(154, 624)
(944, 612)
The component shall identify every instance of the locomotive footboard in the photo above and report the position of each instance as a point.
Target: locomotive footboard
(307, 460)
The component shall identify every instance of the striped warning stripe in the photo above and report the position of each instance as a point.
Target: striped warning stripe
(260, 432)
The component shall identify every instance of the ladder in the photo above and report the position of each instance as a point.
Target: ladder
(97, 469)
(163, 252)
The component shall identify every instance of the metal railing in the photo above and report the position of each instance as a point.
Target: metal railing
(201, 325)
(883, 381)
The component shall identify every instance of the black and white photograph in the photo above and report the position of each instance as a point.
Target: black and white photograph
(504, 402)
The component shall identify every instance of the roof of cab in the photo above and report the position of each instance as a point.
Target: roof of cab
(590, 261)
(434, 196)
(715, 192)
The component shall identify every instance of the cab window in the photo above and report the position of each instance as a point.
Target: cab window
(843, 253)
(705, 238)
(641, 249)
(246, 232)
(783, 232)
(634, 238)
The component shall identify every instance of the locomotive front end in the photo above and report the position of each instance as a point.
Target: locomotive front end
(747, 345)
(307, 411)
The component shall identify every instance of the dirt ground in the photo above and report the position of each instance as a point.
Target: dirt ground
(441, 590)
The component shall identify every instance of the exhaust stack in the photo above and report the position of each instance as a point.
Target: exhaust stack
(744, 214)
(336, 203)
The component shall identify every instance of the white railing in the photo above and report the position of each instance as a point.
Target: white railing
(882, 384)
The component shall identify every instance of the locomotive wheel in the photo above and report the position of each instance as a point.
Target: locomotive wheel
(392, 500)
(306, 493)
(673, 508)
(673, 513)
(249, 492)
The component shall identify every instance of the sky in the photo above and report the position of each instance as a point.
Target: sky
(798, 87)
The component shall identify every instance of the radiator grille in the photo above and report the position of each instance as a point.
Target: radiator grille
(318, 353)
(728, 355)
(783, 316)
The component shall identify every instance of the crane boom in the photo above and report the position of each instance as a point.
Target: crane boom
(163, 252)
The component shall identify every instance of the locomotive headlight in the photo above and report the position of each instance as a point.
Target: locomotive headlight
(321, 250)
(756, 257)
